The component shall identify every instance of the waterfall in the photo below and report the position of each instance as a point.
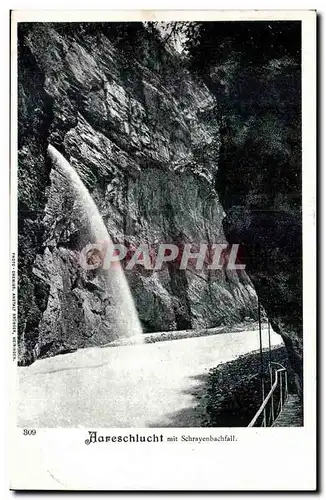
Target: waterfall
(124, 311)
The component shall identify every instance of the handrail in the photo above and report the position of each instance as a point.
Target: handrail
(269, 395)
(278, 364)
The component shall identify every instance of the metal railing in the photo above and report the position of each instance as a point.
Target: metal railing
(273, 403)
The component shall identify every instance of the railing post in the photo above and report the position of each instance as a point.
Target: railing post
(263, 398)
(281, 391)
(262, 381)
(269, 341)
(272, 397)
(286, 384)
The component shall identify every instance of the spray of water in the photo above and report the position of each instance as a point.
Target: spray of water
(125, 314)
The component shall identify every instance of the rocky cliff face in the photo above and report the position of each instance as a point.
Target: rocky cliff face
(139, 130)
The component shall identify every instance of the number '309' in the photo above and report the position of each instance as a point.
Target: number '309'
(29, 432)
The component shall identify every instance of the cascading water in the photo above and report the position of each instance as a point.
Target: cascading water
(125, 314)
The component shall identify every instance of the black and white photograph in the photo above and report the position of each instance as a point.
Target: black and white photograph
(159, 260)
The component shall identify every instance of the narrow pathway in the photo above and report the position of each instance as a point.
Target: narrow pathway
(291, 414)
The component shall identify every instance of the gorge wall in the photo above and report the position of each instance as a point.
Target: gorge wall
(142, 134)
(254, 71)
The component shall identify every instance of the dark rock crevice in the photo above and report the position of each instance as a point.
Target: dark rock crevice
(35, 115)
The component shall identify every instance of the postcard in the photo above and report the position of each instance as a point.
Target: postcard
(163, 246)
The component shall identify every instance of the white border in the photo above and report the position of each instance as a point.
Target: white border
(159, 15)
(59, 458)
